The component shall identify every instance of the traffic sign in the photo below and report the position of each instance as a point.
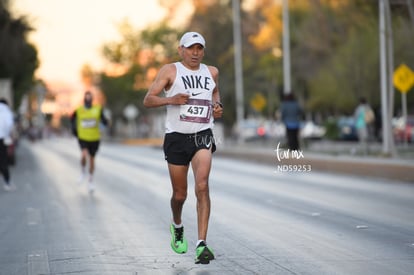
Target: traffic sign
(403, 78)
(131, 112)
(258, 102)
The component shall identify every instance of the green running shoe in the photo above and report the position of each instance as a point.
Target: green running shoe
(204, 254)
(178, 242)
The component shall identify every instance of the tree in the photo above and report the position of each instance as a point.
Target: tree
(215, 21)
(18, 58)
(334, 51)
(136, 57)
(403, 31)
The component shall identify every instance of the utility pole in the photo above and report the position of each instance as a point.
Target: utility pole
(386, 69)
(383, 74)
(411, 9)
(238, 64)
(286, 49)
(391, 90)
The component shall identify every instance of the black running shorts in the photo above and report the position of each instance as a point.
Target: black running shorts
(179, 148)
(91, 146)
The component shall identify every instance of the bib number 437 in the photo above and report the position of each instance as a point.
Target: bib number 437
(196, 110)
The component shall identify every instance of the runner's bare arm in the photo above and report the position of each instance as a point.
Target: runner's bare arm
(163, 81)
(217, 106)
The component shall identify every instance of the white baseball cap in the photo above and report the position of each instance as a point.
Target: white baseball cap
(191, 38)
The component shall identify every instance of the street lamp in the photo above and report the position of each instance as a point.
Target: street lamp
(238, 65)
(286, 49)
(386, 68)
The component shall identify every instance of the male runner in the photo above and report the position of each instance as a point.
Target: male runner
(192, 100)
(85, 126)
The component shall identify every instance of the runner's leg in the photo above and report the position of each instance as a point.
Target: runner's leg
(201, 164)
(91, 164)
(178, 176)
(93, 148)
(84, 155)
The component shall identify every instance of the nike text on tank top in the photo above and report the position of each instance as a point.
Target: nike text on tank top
(197, 114)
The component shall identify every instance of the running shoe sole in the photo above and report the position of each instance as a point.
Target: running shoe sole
(205, 256)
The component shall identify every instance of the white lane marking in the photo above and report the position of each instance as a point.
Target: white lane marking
(38, 262)
(34, 216)
(361, 227)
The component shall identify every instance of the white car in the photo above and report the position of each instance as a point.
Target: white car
(310, 130)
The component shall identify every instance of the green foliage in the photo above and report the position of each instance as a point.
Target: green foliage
(119, 92)
(23, 78)
(18, 58)
(331, 126)
(122, 90)
(404, 54)
(163, 40)
(337, 54)
(334, 53)
(215, 23)
(347, 75)
(160, 39)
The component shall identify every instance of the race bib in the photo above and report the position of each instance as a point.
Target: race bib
(88, 123)
(196, 110)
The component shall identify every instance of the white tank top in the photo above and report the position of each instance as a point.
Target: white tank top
(197, 114)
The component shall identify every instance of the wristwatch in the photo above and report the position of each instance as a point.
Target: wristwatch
(219, 104)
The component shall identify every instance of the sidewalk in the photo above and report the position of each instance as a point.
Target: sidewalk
(338, 159)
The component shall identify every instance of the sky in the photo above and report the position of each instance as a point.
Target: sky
(69, 33)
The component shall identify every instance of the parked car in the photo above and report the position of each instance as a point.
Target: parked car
(247, 130)
(346, 128)
(273, 129)
(403, 130)
(259, 129)
(252, 130)
(311, 130)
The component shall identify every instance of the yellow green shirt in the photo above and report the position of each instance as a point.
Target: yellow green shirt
(87, 123)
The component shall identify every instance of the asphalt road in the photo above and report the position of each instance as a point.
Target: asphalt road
(262, 221)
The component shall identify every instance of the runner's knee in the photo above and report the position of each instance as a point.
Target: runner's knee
(201, 188)
(179, 197)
